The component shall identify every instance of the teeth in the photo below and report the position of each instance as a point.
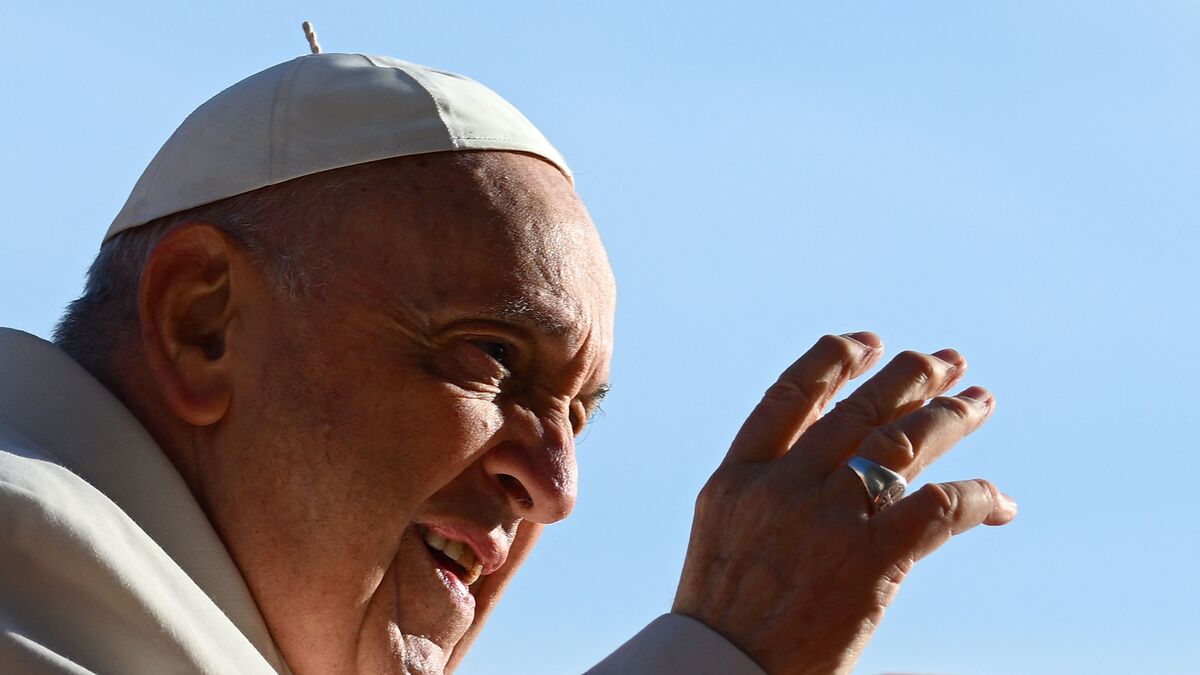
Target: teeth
(435, 540)
(459, 553)
(473, 575)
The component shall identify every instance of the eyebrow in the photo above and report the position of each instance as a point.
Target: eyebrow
(594, 398)
(599, 393)
(525, 311)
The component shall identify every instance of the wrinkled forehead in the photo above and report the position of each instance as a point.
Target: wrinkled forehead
(496, 230)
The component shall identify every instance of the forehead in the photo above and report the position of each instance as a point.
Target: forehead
(502, 234)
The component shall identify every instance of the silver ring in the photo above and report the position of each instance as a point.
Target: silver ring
(884, 486)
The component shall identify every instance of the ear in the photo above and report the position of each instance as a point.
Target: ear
(186, 300)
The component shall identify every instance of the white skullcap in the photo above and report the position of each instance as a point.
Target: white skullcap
(321, 112)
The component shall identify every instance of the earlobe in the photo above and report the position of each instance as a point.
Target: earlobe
(185, 301)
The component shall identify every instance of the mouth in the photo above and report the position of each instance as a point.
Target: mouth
(455, 557)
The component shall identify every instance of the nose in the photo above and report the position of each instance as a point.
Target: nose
(535, 467)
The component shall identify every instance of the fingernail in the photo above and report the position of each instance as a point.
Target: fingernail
(1008, 505)
(952, 357)
(978, 395)
(865, 338)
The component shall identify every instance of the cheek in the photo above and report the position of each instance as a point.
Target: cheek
(443, 433)
(369, 425)
(397, 438)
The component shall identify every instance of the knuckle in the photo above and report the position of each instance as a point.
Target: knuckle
(985, 488)
(894, 444)
(839, 348)
(791, 391)
(707, 498)
(713, 488)
(886, 589)
(894, 575)
(731, 492)
(719, 491)
(923, 367)
(858, 410)
(957, 407)
(944, 499)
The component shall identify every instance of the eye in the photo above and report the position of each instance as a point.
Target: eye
(481, 363)
(499, 352)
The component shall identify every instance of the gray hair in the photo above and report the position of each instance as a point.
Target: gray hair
(278, 225)
(95, 326)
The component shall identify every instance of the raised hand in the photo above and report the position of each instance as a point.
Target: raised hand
(788, 557)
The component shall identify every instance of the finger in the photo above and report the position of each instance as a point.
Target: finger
(920, 523)
(916, 440)
(801, 393)
(902, 385)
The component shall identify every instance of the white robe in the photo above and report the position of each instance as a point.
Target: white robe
(108, 564)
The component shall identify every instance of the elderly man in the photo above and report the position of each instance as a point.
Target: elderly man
(319, 398)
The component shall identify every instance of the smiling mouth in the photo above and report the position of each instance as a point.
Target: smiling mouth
(455, 556)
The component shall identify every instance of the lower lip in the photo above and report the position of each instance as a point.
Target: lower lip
(449, 579)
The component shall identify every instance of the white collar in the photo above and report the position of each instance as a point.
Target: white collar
(53, 401)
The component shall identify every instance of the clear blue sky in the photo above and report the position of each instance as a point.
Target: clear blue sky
(1019, 180)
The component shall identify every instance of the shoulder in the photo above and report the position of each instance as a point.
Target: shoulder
(83, 584)
(63, 540)
(41, 501)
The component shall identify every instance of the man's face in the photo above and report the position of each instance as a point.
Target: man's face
(425, 395)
